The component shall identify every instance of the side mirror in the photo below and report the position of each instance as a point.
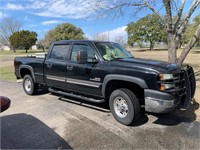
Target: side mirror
(82, 57)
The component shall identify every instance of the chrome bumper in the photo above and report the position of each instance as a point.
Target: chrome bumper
(160, 102)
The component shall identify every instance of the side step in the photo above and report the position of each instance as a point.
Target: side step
(76, 96)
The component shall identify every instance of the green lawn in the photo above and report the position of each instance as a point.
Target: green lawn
(7, 73)
(21, 52)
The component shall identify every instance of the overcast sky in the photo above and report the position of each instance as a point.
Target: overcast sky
(42, 15)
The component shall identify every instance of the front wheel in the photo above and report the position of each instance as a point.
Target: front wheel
(124, 106)
(29, 86)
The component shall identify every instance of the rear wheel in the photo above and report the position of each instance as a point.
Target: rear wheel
(124, 106)
(29, 86)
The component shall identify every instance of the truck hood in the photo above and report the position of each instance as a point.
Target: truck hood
(147, 64)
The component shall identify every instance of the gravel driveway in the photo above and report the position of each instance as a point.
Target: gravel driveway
(45, 121)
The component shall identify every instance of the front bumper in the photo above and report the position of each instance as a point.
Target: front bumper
(160, 102)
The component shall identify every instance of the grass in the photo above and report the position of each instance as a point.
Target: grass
(7, 73)
(20, 52)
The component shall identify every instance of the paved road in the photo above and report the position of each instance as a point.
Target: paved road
(44, 121)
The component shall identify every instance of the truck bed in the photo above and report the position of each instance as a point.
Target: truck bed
(36, 63)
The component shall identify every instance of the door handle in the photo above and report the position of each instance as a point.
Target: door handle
(69, 67)
(49, 65)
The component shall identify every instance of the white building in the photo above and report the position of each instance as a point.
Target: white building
(4, 47)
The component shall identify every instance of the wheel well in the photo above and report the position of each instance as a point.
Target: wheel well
(116, 84)
(24, 71)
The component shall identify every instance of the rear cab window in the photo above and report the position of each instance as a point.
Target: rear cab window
(60, 52)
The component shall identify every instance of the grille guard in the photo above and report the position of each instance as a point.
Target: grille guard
(189, 84)
(185, 86)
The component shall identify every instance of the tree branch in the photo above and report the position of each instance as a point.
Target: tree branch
(189, 46)
(126, 4)
(154, 11)
(119, 8)
(190, 12)
(179, 14)
(167, 4)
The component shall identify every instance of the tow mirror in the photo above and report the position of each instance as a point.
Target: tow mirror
(82, 57)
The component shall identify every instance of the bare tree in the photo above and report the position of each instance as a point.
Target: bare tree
(174, 19)
(7, 27)
(121, 40)
(101, 36)
(44, 44)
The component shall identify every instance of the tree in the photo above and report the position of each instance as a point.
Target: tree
(101, 36)
(190, 31)
(147, 29)
(23, 39)
(65, 31)
(7, 27)
(43, 44)
(175, 28)
(121, 40)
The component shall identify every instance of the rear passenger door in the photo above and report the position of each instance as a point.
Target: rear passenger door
(55, 65)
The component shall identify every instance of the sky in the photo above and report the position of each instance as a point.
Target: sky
(42, 15)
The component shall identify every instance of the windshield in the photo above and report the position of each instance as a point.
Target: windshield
(112, 51)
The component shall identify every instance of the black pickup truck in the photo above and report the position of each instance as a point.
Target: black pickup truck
(104, 71)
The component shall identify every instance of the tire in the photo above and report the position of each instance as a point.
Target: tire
(29, 86)
(124, 106)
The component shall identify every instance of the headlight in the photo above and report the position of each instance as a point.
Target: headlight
(165, 86)
(166, 76)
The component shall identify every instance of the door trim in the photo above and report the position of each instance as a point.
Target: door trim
(74, 81)
(83, 82)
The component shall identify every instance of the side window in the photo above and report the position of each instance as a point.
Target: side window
(60, 52)
(81, 47)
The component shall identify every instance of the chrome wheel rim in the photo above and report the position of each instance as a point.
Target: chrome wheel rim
(28, 85)
(120, 107)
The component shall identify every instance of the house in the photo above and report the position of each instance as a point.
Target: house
(5, 47)
(35, 47)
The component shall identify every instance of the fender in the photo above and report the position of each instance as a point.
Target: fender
(131, 79)
(29, 68)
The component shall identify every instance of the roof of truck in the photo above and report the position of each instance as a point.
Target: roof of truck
(67, 41)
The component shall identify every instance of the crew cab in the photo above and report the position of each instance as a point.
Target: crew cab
(100, 71)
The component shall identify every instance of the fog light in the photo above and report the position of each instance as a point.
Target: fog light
(166, 86)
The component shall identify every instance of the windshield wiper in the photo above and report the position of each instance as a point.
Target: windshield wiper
(116, 58)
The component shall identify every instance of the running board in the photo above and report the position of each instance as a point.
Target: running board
(62, 93)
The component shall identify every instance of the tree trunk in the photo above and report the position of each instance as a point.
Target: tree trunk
(26, 50)
(189, 46)
(43, 48)
(151, 45)
(198, 43)
(12, 48)
(172, 45)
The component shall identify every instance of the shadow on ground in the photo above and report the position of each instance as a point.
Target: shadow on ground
(22, 131)
(178, 116)
(169, 119)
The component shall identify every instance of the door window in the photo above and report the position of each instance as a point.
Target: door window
(81, 47)
(60, 52)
